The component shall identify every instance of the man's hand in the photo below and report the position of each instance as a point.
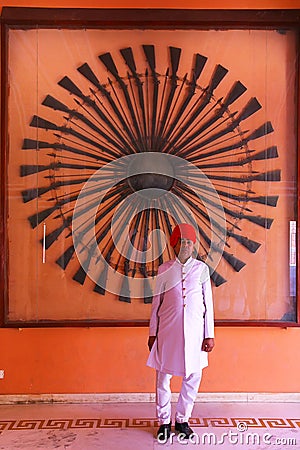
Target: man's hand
(151, 342)
(208, 344)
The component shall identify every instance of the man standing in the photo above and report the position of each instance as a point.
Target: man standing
(181, 330)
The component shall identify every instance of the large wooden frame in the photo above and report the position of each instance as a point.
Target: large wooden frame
(121, 19)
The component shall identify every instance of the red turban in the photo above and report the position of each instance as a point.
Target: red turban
(183, 231)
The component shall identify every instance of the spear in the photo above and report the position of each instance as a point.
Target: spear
(200, 62)
(269, 200)
(124, 292)
(203, 101)
(271, 175)
(100, 286)
(30, 169)
(39, 122)
(251, 107)
(87, 72)
(261, 131)
(269, 153)
(130, 62)
(175, 58)
(31, 194)
(53, 103)
(107, 60)
(150, 56)
(170, 114)
(194, 203)
(157, 140)
(51, 237)
(122, 192)
(80, 275)
(236, 91)
(147, 289)
(40, 216)
(68, 84)
(157, 226)
(32, 144)
(167, 222)
(258, 220)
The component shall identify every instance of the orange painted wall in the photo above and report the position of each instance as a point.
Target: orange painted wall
(103, 360)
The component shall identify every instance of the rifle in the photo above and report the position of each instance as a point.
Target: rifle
(53, 103)
(68, 84)
(125, 292)
(251, 107)
(175, 58)
(87, 72)
(108, 62)
(199, 64)
(150, 56)
(39, 122)
(236, 91)
(102, 233)
(263, 130)
(40, 216)
(67, 221)
(204, 99)
(147, 289)
(32, 144)
(129, 60)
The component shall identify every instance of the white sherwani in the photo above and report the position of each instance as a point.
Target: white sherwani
(181, 317)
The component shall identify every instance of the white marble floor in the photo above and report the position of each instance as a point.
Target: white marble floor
(130, 426)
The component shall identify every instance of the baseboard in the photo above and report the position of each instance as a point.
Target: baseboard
(205, 397)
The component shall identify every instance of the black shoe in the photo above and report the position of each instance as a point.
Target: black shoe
(184, 428)
(164, 432)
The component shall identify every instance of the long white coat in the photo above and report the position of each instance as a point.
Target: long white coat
(181, 317)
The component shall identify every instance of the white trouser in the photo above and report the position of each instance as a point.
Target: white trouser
(187, 396)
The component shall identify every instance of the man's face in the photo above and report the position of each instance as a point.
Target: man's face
(184, 249)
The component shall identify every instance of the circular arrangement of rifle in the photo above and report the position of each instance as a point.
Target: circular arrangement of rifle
(161, 149)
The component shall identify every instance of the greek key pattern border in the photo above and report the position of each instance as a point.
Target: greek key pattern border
(91, 423)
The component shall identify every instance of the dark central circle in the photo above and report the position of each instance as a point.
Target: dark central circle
(151, 173)
(150, 181)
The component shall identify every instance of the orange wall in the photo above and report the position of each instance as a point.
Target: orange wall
(103, 360)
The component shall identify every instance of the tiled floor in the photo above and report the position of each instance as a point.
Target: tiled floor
(130, 426)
